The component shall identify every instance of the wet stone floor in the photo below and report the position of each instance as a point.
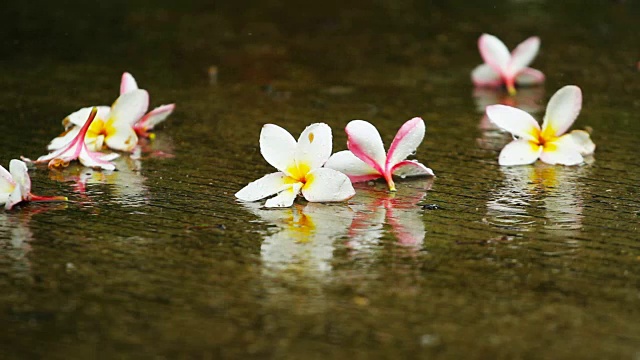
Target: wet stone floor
(159, 260)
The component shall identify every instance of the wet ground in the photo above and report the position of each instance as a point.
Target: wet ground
(158, 260)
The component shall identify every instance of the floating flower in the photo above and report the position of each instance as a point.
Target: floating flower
(77, 148)
(503, 68)
(549, 144)
(143, 126)
(15, 186)
(300, 164)
(113, 127)
(366, 159)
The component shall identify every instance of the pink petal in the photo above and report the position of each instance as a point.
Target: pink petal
(514, 120)
(562, 110)
(128, 83)
(529, 76)
(494, 52)
(411, 168)
(365, 142)
(485, 75)
(153, 118)
(523, 55)
(406, 142)
(519, 152)
(326, 185)
(94, 159)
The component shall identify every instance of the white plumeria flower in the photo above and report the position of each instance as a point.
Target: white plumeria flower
(549, 144)
(153, 117)
(77, 148)
(366, 159)
(300, 164)
(113, 126)
(503, 68)
(15, 186)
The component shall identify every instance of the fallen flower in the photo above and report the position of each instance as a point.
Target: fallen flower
(549, 144)
(366, 159)
(76, 148)
(146, 123)
(15, 186)
(300, 164)
(113, 127)
(503, 68)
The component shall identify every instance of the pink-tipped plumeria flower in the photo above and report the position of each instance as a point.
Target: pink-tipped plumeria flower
(77, 148)
(503, 68)
(153, 117)
(15, 186)
(549, 144)
(300, 164)
(113, 126)
(366, 159)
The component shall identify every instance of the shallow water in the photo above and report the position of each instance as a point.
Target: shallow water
(158, 260)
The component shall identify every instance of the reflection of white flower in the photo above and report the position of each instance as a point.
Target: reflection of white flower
(305, 235)
(527, 191)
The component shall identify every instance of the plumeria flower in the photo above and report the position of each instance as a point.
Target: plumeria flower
(153, 117)
(366, 159)
(77, 148)
(15, 186)
(503, 68)
(300, 168)
(113, 126)
(549, 144)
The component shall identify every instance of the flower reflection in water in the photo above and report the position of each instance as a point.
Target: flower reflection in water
(540, 196)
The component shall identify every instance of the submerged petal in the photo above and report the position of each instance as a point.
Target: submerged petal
(286, 197)
(524, 54)
(561, 151)
(277, 147)
(127, 83)
(530, 76)
(365, 142)
(411, 168)
(406, 142)
(314, 147)
(485, 75)
(519, 152)
(515, 121)
(265, 186)
(494, 52)
(348, 164)
(562, 110)
(324, 185)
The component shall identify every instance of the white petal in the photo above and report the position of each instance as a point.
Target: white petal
(64, 139)
(7, 184)
(514, 120)
(14, 198)
(123, 139)
(561, 151)
(582, 141)
(348, 164)
(524, 54)
(530, 76)
(411, 168)
(324, 185)
(19, 174)
(562, 110)
(109, 157)
(277, 147)
(365, 142)
(519, 152)
(129, 107)
(314, 146)
(406, 141)
(485, 75)
(79, 117)
(265, 186)
(286, 197)
(494, 52)
(127, 83)
(94, 160)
